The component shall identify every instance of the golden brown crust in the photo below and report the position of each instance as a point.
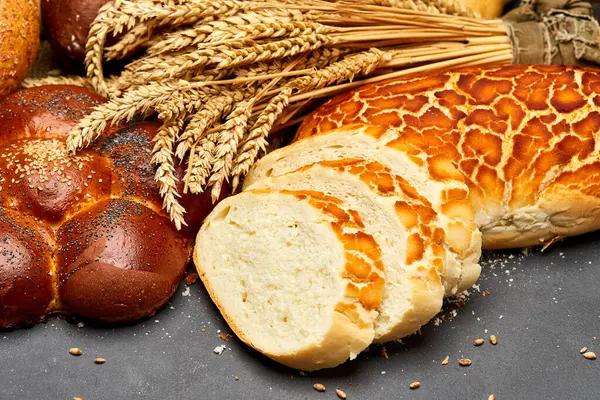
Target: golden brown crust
(19, 41)
(512, 133)
(91, 225)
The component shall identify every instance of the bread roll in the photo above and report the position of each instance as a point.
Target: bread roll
(523, 137)
(294, 274)
(83, 234)
(19, 41)
(67, 24)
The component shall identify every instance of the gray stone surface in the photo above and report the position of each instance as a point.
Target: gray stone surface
(543, 307)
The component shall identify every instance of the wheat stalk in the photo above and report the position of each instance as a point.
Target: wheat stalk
(257, 138)
(141, 101)
(432, 6)
(162, 156)
(74, 80)
(223, 75)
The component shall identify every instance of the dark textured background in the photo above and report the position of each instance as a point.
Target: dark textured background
(542, 306)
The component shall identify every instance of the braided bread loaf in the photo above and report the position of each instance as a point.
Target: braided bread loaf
(83, 234)
(421, 165)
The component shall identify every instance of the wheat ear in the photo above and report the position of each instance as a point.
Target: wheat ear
(142, 100)
(257, 138)
(230, 136)
(162, 156)
(201, 121)
(130, 41)
(200, 160)
(94, 48)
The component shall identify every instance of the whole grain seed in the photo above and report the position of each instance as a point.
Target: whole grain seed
(415, 385)
(583, 350)
(99, 360)
(493, 339)
(341, 394)
(465, 362)
(319, 387)
(75, 351)
(478, 342)
(590, 355)
(492, 397)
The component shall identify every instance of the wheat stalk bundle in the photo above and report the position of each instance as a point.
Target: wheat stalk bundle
(222, 75)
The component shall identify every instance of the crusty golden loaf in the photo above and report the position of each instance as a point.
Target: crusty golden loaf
(19, 41)
(525, 139)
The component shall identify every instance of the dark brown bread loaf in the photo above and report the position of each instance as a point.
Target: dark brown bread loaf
(67, 24)
(83, 234)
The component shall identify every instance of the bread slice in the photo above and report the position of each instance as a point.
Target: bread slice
(352, 142)
(294, 274)
(448, 197)
(412, 249)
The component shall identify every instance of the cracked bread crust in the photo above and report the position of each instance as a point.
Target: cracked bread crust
(524, 138)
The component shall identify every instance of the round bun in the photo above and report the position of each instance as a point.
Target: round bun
(67, 24)
(19, 41)
(83, 234)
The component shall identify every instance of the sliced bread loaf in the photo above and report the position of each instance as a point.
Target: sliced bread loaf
(294, 273)
(401, 221)
(448, 195)
(354, 141)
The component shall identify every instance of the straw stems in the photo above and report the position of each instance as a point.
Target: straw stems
(223, 75)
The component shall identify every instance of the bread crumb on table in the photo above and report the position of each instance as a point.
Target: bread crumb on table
(590, 355)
